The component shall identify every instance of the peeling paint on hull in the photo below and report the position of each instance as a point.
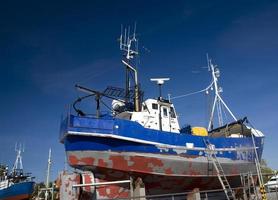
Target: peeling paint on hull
(158, 172)
(157, 164)
(116, 149)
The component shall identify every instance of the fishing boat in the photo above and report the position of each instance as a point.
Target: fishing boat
(16, 185)
(142, 138)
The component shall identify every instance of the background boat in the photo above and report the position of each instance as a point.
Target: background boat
(16, 185)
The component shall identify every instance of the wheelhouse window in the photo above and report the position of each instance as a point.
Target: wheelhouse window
(172, 112)
(165, 112)
(154, 106)
(145, 107)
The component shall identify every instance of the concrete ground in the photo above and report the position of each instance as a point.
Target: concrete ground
(272, 196)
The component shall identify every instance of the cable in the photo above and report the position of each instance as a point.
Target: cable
(200, 91)
(106, 105)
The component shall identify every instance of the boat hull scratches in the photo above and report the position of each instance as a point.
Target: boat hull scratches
(154, 183)
(81, 133)
(158, 172)
(157, 164)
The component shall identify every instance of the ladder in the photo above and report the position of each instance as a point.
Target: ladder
(244, 178)
(219, 170)
(249, 185)
(258, 168)
(254, 186)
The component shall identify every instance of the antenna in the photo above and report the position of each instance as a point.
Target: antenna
(160, 82)
(129, 45)
(208, 61)
(134, 31)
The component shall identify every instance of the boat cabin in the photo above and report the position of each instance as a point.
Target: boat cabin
(158, 114)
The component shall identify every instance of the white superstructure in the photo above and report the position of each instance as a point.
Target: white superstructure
(155, 114)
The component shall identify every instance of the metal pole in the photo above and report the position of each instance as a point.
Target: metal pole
(52, 192)
(47, 175)
(136, 102)
(276, 190)
(98, 105)
(211, 114)
(227, 108)
(127, 85)
(160, 117)
(102, 183)
(160, 92)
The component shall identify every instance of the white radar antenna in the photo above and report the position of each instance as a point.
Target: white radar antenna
(160, 82)
(218, 101)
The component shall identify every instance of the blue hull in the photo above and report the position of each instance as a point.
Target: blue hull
(17, 191)
(128, 136)
(116, 149)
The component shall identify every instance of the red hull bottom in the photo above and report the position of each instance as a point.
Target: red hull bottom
(155, 184)
(159, 174)
(19, 197)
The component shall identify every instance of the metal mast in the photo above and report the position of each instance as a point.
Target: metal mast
(127, 43)
(47, 189)
(218, 101)
(18, 166)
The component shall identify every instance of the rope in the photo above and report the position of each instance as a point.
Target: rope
(189, 94)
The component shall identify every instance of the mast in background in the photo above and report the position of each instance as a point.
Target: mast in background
(18, 166)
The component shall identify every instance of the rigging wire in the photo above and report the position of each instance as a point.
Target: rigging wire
(225, 115)
(92, 75)
(209, 105)
(257, 159)
(106, 105)
(192, 93)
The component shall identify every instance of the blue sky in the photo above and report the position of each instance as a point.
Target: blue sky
(47, 46)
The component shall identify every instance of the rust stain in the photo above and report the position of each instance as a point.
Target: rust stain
(119, 162)
(102, 163)
(168, 171)
(193, 172)
(87, 179)
(189, 156)
(77, 179)
(139, 163)
(112, 192)
(142, 164)
(190, 164)
(73, 160)
(87, 160)
(234, 170)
